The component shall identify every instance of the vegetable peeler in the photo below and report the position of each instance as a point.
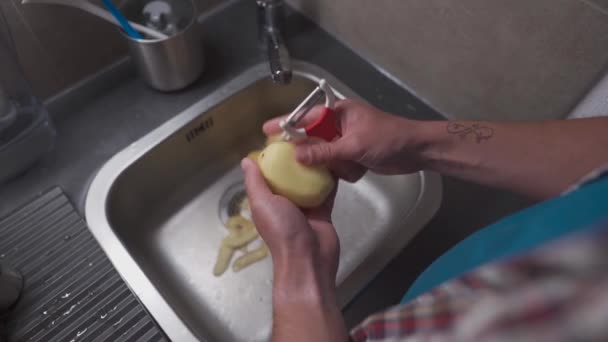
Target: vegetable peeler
(324, 127)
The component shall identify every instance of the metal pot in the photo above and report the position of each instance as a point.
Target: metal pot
(175, 62)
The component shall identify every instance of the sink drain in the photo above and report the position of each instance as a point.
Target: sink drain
(230, 202)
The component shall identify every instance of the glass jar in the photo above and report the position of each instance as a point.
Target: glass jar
(26, 133)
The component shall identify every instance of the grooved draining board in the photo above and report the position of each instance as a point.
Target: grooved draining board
(72, 292)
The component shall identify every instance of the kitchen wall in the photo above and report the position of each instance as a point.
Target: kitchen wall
(494, 59)
(523, 59)
(58, 46)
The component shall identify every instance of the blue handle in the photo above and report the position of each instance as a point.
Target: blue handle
(122, 20)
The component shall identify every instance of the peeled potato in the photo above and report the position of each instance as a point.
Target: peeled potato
(253, 155)
(305, 186)
(274, 138)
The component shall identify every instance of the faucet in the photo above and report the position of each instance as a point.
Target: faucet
(271, 20)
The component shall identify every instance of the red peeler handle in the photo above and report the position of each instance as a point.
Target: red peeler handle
(325, 127)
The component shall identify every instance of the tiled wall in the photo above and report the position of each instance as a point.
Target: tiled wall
(58, 46)
(513, 59)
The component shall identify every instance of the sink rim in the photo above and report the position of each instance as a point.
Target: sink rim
(97, 196)
(96, 200)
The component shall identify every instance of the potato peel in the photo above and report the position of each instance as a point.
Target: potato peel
(242, 232)
(238, 240)
(250, 258)
(238, 223)
(223, 260)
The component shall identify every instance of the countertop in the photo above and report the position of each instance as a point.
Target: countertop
(106, 113)
(97, 119)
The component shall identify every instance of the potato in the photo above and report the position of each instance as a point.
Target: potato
(274, 138)
(305, 186)
(253, 155)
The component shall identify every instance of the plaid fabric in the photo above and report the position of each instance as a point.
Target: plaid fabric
(556, 293)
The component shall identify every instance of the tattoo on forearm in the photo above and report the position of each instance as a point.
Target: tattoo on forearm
(479, 132)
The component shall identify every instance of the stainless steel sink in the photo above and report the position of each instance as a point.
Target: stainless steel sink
(156, 209)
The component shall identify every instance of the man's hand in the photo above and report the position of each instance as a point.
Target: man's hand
(289, 232)
(531, 158)
(371, 140)
(305, 250)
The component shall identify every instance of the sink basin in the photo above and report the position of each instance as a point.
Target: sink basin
(156, 208)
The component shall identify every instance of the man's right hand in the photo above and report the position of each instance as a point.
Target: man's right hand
(371, 140)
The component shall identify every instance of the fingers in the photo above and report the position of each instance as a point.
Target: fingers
(347, 170)
(285, 228)
(323, 212)
(272, 126)
(329, 245)
(329, 248)
(260, 200)
(257, 189)
(323, 153)
(336, 155)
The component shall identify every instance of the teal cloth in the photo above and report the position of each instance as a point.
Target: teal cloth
(523, 231)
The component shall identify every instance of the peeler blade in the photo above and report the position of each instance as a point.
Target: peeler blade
(303, 108)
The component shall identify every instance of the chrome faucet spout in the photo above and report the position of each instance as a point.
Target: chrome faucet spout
(271, 21)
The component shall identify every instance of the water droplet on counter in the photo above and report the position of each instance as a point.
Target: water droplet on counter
(69, 310)
(117, 323)
(80, 333)
(65, 295)
(67, 237)
(45, 312)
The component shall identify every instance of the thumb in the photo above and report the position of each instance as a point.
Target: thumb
(321, 153)
(257, 189)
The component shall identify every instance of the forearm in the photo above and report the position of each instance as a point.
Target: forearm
(304, 304)
(539, 159)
